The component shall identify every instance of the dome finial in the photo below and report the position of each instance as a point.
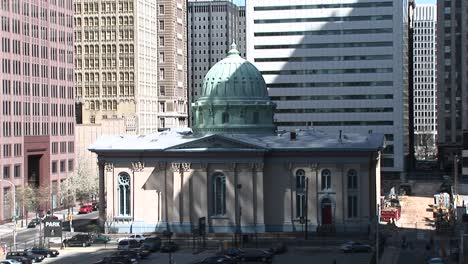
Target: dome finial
(233, 50)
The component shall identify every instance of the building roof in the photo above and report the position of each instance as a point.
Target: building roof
(185, 141)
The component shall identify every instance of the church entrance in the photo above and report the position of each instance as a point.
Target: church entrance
(326, 212)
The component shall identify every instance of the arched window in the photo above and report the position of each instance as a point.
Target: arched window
(225, 118)
(219, 194)
(123, 193)
(326, 179)
(352, 180)
(300, 193)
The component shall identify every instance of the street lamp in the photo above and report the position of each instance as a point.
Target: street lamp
(14, 209)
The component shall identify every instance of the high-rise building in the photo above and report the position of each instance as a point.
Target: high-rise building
(336, 65)
(172, 63)
(116, 61)
(424, 81)
(36, 85)
(452, 78)
(213, 26)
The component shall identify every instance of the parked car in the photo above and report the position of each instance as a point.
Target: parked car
(46, 252)
(169, 246)
(215, 260)
(18, 258)
(10, 261)
(78, 240)
(435, 261)
(153, 243)
(134, 256)
(95, 206)
(128, 244)
(29, 255)
(116, 260)
(138, 238)
(279, 248)
(85, 209)
(351, 246)
(100, 239)
(249, 255)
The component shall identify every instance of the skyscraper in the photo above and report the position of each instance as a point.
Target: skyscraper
(172, 63)
(336, 65)
(36, 82)
(213, 26)
(452, 78)
(424, 80)
(116, 62)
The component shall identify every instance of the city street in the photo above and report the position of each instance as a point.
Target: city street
(28, 236)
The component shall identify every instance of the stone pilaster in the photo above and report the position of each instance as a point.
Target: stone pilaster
(102, 194)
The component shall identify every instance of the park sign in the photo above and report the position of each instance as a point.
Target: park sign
(52, 228)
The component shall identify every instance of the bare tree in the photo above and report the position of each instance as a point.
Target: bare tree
(425, 148)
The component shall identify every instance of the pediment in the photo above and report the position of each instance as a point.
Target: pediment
(216, 142)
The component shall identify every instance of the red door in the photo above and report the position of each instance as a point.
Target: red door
(326, 214)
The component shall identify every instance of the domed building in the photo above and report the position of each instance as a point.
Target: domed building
(234, 172)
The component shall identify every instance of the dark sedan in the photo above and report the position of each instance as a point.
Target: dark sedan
(169, 246)
(245, 255)
(34, 222)
(215, 260)
(352, 246)
(46, 252)
(78, 240)
(31, 256)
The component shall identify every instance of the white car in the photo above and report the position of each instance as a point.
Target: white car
(138, 238)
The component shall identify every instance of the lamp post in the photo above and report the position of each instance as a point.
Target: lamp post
(14, 209)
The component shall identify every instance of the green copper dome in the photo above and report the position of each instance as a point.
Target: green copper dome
(234, 99)
(233, 77)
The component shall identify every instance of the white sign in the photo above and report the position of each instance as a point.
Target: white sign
(52, 224)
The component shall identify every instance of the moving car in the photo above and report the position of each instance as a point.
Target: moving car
(153, 243)
(46, 252)
(351, 246)
(435, 261)
(34, 222)
(128, 244)
(78, 240)
(169, 246)
(10, 261)
(215, 260)
(278, 248)
(85, 209)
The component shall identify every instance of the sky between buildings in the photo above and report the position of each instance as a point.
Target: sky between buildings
(242, 2)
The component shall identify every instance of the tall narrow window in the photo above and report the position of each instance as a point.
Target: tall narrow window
(124, 194)
(326, 179)
(300, 193)
(352, 180)
(256, 117)
(219, 194)
(225, 118)
(352, 206)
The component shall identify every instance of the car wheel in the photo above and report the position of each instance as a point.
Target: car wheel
(243, 259)
(264, 259)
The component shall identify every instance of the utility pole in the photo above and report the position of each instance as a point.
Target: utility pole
(306, 235)
(455, 173)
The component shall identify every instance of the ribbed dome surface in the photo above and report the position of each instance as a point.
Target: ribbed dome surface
(233, 77)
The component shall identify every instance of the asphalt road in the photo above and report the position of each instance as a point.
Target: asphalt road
(29, 236)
